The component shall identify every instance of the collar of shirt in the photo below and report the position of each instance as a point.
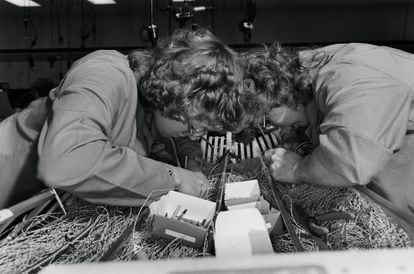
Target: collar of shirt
(315, 118)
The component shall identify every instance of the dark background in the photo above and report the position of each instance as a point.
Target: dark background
(44, 41)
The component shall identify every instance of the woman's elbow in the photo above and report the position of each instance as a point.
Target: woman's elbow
(48, 172)
(57, 173)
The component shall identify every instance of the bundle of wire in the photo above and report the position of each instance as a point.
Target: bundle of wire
(88, 231)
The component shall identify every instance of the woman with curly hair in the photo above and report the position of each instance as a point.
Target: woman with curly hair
(193, 79)
(355, 102)
(95, 135)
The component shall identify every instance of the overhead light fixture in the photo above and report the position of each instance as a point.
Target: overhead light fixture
(23, 3)
(102, 2)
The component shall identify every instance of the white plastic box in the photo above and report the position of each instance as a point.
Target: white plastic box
(178, 215)
(245, 193)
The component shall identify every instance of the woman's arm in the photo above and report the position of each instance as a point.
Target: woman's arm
(77, 150)
(365, 120)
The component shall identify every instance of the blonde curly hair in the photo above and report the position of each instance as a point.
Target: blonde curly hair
(193, 76)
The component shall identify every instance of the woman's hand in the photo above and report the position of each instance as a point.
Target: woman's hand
(283, 164)
(192, 183)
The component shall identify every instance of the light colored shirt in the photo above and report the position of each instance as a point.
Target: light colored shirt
(88, 145)
(364, 95)
(18, 155)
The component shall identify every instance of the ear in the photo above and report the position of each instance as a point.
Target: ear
(248, 84)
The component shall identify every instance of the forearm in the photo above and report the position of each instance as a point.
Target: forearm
(103, 173)
(311, 171)
(342, 159)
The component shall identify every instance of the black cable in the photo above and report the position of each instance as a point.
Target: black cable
(52, 36)
(82, 26)
(94, 24)
(406, 12)
(151, 11)
(170, 15)
(59, 26)
(212, 13)
(152, 29)
(26, 19)
(67, 23)
(246, 25)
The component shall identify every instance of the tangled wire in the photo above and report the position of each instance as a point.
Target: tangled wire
(88, 231)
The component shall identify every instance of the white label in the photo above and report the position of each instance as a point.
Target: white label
(5, 214)
(180, 235)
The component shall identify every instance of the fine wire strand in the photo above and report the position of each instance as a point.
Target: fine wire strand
(177, 159)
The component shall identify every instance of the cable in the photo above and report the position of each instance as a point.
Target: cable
(246, 25)
(151, 30)
(177, 159)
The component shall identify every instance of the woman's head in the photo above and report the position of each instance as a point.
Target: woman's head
(194, 78)
(274, 78)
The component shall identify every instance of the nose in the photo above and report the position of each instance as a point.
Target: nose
(193, 138)
(299, 125)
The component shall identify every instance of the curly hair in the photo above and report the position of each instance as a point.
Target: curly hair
(276, 76)
(194, 76)
(139, 62)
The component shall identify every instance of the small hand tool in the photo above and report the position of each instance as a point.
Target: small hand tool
(318, 232)
(328, 216)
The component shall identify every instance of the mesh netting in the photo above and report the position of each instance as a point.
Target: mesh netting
(88, 231)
